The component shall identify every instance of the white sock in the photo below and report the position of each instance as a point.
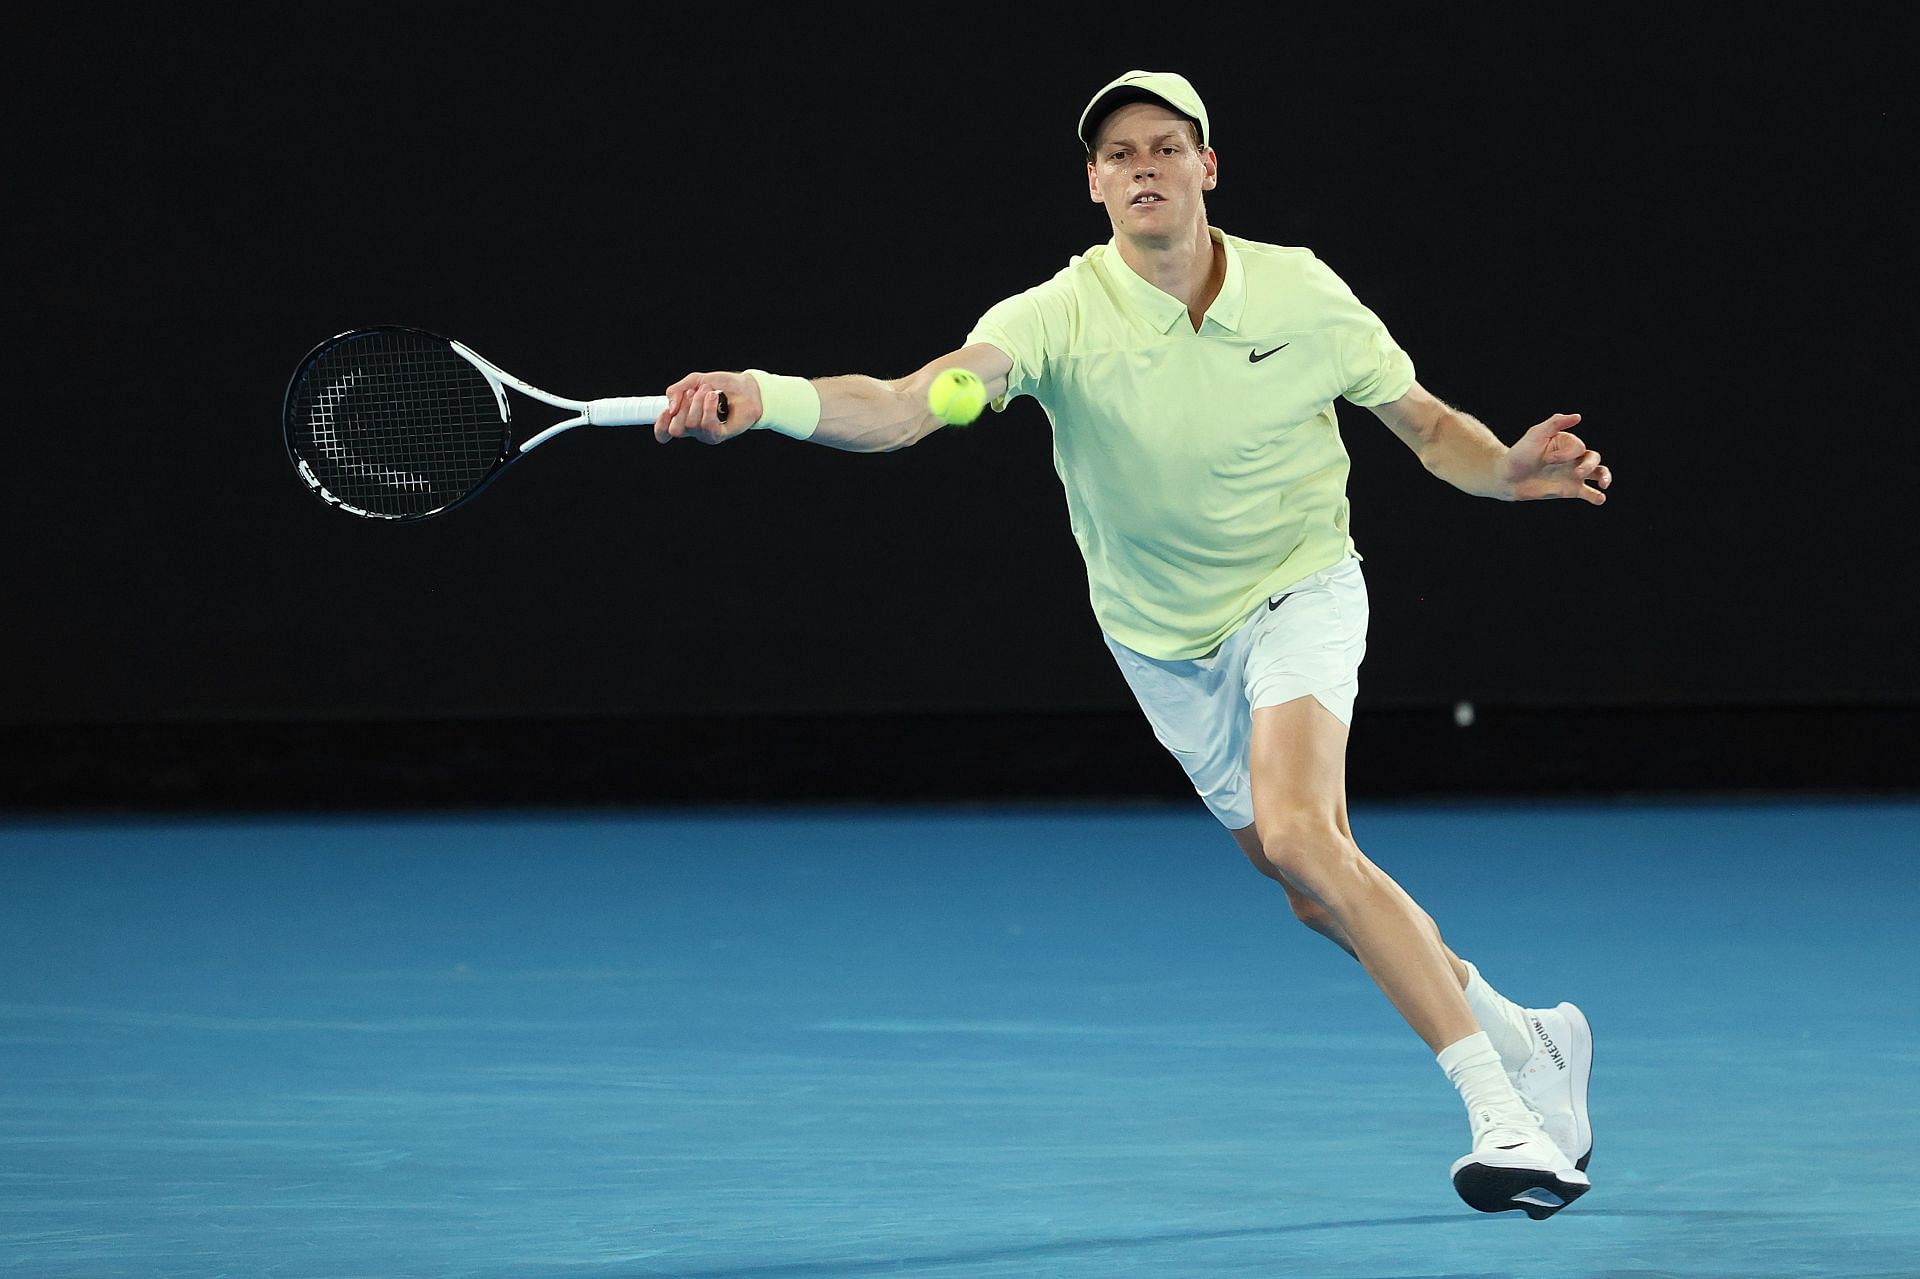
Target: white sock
(1474, 1068)
(1504, 1021)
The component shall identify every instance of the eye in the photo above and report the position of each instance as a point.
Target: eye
(1169, 150)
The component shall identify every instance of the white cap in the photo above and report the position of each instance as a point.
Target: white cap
(1166, 87)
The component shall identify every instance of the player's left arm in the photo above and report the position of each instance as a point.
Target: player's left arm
(1548, 461)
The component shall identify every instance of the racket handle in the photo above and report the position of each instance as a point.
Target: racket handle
(626, 410)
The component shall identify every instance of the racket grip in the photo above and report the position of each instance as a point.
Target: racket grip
(626, 410)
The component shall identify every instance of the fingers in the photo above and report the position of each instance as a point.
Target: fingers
(1543, 433)
(699, 406)
(663, 425)
(1549, 461)
(1589, 470)
(683, 414)
(1590, 478)
(1560, 462)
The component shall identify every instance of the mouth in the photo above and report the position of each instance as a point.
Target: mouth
(1146, 197)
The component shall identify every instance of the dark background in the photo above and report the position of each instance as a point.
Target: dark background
(1683, 224)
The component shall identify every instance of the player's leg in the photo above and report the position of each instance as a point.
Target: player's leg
(1546, 1052)
(1298, 773)
(1301, 678)
(1298, 766)
(1309, 638)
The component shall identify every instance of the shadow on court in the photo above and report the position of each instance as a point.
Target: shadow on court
(1042, 1251)
(1064, 1248)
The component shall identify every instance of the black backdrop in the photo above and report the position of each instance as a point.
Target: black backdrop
(1681, 223)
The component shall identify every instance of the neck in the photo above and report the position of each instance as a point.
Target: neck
(1190, 267)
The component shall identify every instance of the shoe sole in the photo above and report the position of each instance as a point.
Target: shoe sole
(1538, 1192)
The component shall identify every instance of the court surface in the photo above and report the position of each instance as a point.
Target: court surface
(932, 1043)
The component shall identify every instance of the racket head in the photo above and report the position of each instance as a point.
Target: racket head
(393, 423)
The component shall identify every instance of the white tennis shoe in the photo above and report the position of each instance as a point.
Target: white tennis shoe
(1554, 1080)
(1515, 1165)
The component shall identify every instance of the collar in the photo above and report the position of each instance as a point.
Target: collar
(1163, 310)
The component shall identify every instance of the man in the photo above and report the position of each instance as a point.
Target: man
(1190, 377)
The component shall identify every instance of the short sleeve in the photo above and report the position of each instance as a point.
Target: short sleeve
(1031, 329)
(1373, 368)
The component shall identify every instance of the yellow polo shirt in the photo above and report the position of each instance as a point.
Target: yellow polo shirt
(1203, 471)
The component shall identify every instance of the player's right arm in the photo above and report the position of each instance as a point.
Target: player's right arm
(858, 413)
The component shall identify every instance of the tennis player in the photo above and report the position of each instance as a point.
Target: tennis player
(1190, 377)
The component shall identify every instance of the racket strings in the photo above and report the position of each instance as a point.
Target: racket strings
(396, 423)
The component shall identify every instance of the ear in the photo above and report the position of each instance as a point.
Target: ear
(1212, 164)
(1093, 185)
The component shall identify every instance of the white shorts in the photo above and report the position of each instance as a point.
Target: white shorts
(1305, 641)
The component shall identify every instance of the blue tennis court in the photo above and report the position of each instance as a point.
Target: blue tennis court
(963, 1042)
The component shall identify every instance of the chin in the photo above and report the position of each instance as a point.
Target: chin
(1162, 227)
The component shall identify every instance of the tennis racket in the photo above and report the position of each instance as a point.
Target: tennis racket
(395, 423)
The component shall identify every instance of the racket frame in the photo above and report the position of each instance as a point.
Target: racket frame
(616, 410)
(619, 410)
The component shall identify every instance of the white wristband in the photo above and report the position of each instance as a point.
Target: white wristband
(789, 405)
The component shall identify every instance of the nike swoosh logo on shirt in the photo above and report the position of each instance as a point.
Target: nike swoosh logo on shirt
(1255, 359)
(1273, 604)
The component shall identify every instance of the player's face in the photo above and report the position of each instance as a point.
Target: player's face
(1149, 172)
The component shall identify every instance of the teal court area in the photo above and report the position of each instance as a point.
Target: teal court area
(955, 1042)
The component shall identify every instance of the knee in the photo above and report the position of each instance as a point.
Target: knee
(1315, 854)
(1249, 841)
(1305, 909)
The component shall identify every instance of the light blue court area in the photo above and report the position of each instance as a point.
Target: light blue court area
(958, 1043)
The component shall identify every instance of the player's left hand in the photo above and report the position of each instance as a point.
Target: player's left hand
(1551, 461)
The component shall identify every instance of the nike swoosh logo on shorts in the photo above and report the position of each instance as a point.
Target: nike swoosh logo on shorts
(1255, 359)
(1273, 604)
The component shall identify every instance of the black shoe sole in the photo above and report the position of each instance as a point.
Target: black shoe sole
(1537, 1193)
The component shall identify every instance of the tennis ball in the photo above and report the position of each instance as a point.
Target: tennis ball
(957, 396)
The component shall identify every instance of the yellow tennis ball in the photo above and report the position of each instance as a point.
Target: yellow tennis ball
(957, 396)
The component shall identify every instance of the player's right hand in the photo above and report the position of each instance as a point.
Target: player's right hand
(693, 408)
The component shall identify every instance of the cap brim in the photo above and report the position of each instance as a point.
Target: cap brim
(1112, 100)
